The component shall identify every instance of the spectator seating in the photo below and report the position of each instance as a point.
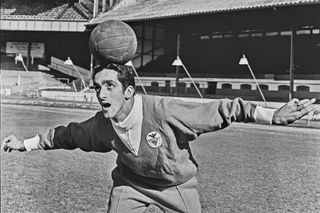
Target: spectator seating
(26, 81)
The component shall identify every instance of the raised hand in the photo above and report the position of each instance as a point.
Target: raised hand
(12, 143)
(292, 111)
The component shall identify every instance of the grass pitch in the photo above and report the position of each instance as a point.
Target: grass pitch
(243, 168)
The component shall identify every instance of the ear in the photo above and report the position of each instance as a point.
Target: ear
(129, 92)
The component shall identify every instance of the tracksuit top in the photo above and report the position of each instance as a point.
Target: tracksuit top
(164, 158)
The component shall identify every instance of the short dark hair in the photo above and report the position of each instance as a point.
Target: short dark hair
(125, 73)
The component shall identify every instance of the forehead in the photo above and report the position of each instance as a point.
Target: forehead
(106, 75)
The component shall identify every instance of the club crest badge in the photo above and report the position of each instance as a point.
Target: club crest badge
(154, 139)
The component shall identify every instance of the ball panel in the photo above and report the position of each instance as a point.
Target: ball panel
(102, 35)
(117, 42)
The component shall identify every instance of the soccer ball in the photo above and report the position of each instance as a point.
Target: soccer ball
(113, 41)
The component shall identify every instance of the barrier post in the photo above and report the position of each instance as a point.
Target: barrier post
(20, 91)
(55, 101)
(309, 117)
(91, 100)
(73, 101)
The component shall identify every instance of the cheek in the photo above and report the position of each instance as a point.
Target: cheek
(117, 100)
(117, 96)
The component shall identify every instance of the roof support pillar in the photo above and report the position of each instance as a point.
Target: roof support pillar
(28, 54)
(110, 3)
(104, 6)
(92, 60)
(177, 67)
(291, 69)
(95, 8)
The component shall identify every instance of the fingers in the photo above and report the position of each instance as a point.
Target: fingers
(306, 110)
(305, 103)
(4, 146)
(296, 109)
(301, 102)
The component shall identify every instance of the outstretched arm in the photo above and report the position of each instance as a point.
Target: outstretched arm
(206, 117)
(90, 135)
(196, 118)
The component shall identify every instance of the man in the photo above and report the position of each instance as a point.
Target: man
(151, 136)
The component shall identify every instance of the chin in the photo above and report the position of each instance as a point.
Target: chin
(107, 114)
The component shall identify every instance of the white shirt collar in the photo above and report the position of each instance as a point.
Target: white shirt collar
(129, 130)
(134, 115)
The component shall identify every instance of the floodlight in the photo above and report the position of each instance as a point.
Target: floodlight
(177, 62)
(68, 61)
(129, 63)
(243, 60)
(18, 57)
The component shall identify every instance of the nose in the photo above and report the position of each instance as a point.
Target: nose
(103, 93)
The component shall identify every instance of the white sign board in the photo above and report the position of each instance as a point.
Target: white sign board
(37, 49)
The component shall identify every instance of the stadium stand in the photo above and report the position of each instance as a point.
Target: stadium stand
(22, 81)
(158, 76)
(31, 14)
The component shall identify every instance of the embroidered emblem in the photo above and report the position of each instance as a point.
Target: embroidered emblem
(154, 139)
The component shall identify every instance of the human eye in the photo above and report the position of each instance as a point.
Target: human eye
(110, 85)
(97, 88)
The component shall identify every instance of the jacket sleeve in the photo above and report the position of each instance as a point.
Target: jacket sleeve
(90, 135)
(198, 118)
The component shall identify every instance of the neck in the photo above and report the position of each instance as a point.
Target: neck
(124, 111)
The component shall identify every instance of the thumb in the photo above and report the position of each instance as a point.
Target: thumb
(4, 146)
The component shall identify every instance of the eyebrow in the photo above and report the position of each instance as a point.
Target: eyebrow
(106, 81)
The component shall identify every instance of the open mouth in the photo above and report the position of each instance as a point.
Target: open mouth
(106, 105)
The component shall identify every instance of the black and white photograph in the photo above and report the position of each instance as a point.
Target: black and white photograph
(160, 106)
